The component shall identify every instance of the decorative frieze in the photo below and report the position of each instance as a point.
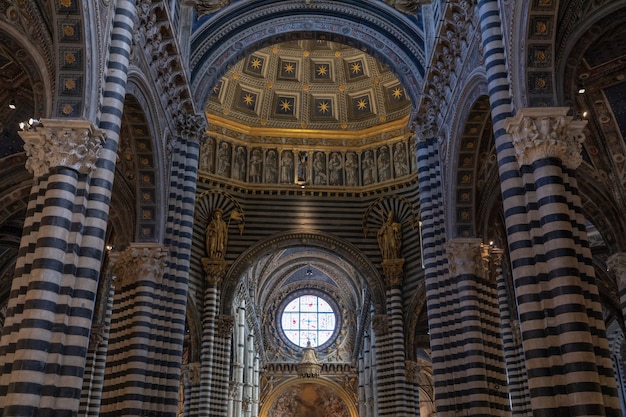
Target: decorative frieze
(540, 133)
(73, 144)
(139, 262)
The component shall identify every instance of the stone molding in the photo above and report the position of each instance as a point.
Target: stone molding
(540, 133)
(380, 324)
(73, 144)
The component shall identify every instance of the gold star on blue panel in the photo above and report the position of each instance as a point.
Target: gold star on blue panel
(288, 69)
(247, 99)
(396, 93)
(285, 105)
(361, 105)
(321, 71)
(355, 69)
(323, 107)
(255, 64)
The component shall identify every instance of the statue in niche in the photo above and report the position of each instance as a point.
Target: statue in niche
(239, 167)
(286, 168)
(303, 166)
(319, 169)
(399, 160)
(334, 169)
(384, 164)
(216, 236)
(352, 167)
(271, 167)
(223, 160)
(369, 168)
(256, 165)
(390, 237)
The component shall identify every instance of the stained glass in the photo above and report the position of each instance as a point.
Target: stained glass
(308, 319)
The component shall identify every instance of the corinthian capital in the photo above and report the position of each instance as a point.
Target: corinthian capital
(467, 256)
(540, 133)
(139, 262)
(73, 144)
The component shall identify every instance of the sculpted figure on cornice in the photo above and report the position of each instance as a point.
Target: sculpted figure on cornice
(271, 167)
(351, 168)
(210, 6)
(286, 168)
(207, 152)
(405, 6)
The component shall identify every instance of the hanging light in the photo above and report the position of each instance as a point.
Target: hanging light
(12, 104)
(309, 271)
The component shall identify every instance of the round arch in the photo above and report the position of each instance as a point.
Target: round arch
(315, 240)
(243, 27)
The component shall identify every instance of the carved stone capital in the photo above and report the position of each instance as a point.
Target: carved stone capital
(413, 369)
(380, 324)
(225, 325)
(540, 133)
(467, 256)
(139, 262)
(215, 271)
(73, 144)
(393, 271)
(97, 335)
(617, 264)
(191, 374)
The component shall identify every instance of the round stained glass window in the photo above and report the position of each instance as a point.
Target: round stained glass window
(308, 318)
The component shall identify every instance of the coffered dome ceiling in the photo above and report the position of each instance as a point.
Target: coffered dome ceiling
(309, 88)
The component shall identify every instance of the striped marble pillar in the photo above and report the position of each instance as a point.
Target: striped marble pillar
(563, 333)
(221, 386)
(48, 321)
(511, 343)
(138, 339)
(394, 397)
(191, 380)
(215, 271)
(479, 384)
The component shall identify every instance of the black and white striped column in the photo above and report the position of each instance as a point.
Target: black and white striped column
(477, 386)
(511, 343)
(564, 337)
(139, 341)
(435, 268)
(46, 332)
(393, 391)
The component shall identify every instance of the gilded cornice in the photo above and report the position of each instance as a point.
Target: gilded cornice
(238, 133)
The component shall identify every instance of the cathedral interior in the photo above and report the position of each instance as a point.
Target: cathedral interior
(312, 208)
